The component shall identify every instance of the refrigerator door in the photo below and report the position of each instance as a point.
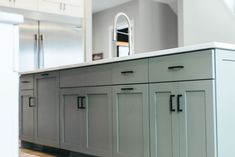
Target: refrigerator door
(28, 52)
(60, 45)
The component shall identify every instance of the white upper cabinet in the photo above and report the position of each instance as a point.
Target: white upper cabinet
(50, 6)
(26, 4)
(21, 4)
(6, 3)
(73, 8)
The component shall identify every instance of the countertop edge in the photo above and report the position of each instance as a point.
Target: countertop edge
(211, 45)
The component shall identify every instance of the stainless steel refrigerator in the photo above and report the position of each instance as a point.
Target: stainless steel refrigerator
(47, 44)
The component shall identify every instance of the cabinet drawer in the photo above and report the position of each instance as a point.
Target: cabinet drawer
(26, 82)
(87, 76)
(130, 72)
(188, 66)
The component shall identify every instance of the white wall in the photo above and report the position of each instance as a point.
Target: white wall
(155, 26)
(158, 27)
(205, 21)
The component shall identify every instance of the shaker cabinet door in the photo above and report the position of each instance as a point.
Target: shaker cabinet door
(98, 107)
(50, 6)
(26, 4)
(27, 109)
(164, 122)
(6, 3)
(196, 117)
(130, 121)
(47, 114)
(73, 8)
(72, 120)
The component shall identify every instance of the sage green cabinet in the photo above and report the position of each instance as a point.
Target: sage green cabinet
(47, 110)
(86, 120)
(163, 122)
(182, 118)
(182, 67)
(72, 120)
(27, 113)
(98, 121)
(130, 121)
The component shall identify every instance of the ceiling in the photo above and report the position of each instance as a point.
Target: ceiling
(99, 5)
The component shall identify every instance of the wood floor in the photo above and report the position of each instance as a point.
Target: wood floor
(31, 153)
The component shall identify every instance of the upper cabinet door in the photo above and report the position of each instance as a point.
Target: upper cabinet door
(6, 3)
(196, 117)
(73, 8)
(98, 109)
(50, 6)
(130, 121)
(26, 4)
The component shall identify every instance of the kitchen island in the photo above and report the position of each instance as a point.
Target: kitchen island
(176, 102)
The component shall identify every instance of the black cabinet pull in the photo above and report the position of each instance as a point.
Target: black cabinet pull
(127, 72)
(25, 81)
(176, 67)
(83, 101)
(30, 102)
(78, 102)
(171, 103)
(46, 74)
(126, 89)
(178, 103)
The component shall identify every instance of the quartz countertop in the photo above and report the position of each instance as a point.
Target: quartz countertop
(215, 45)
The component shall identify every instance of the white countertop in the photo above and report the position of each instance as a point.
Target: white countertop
(10, 18)
(140, 55)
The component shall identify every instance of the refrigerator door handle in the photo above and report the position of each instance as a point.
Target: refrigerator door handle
(41, 58)
(36, 51)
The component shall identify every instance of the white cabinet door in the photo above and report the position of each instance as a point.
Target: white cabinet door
(195, 108)
(130, 121)
(98, 108)
(6, 3)
(50, 6)
(164, 121)
(26, 4)
(73, 8)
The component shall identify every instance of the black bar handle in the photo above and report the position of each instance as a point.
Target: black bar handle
(178, 103)
(30, 102)
(46, 74)
(35, 37)
(127, 72)
(25, 81)
(78, 102)
(41, 37)
(126, 89)
(83, 102)
(171, 103)
(176, 67)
